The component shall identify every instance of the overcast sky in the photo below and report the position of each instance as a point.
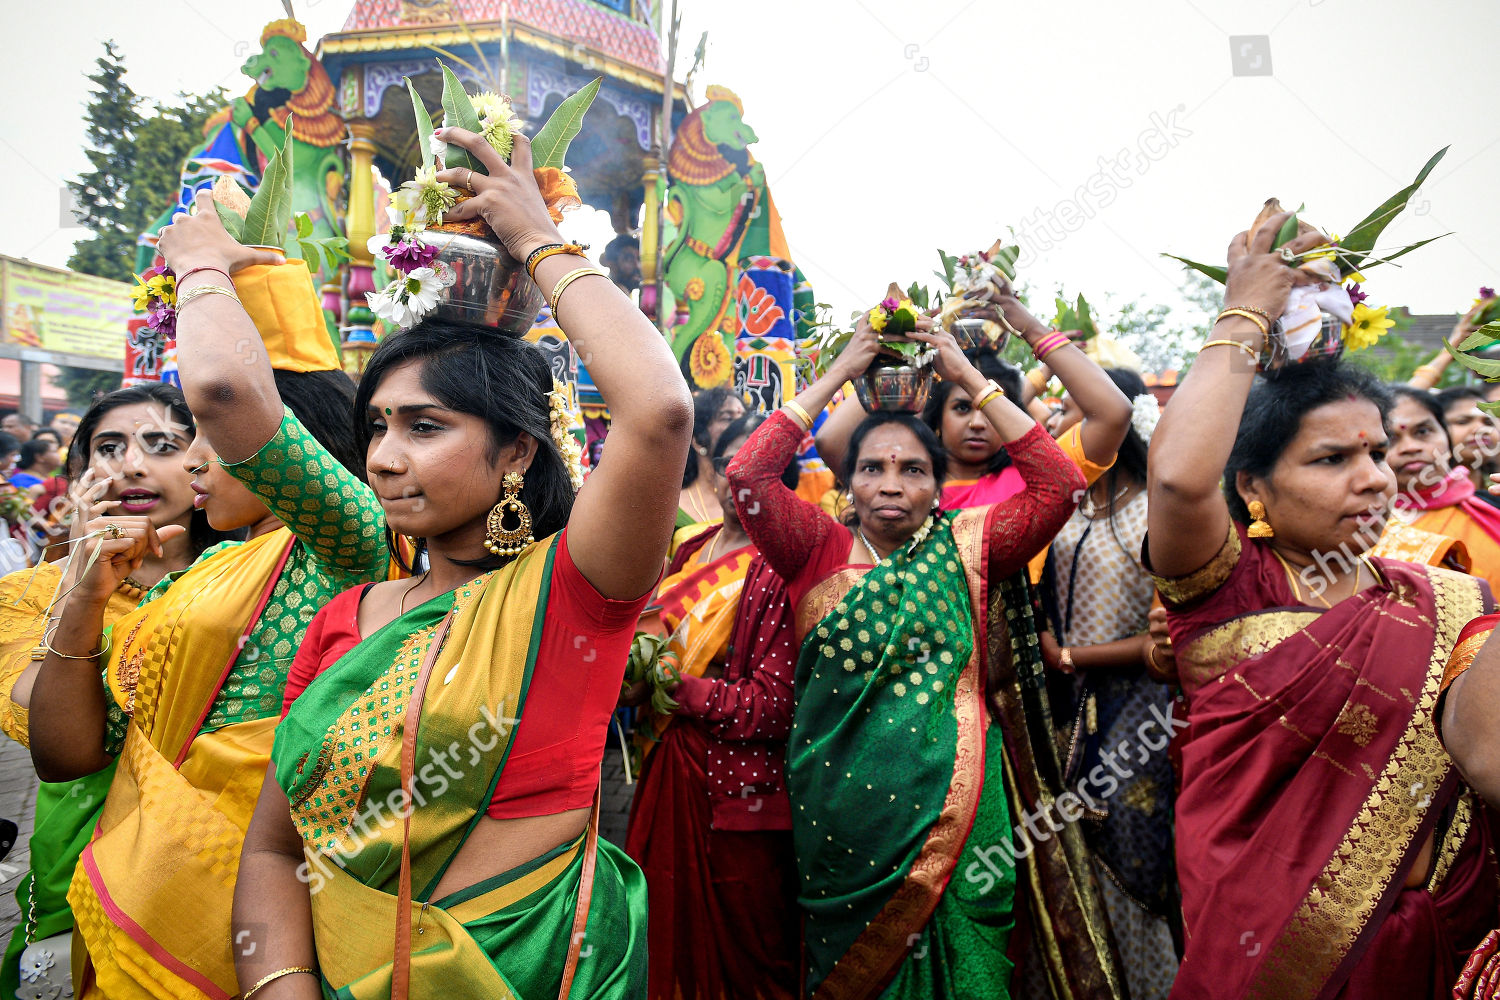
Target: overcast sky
(1104, 132)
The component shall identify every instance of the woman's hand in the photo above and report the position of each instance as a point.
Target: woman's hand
(200, 240)
(1259, 277)
(998, 303)
(1051, 651)
(122, 544)
(863, 348)
(950, 363)
(508, 199)
(1161, 662)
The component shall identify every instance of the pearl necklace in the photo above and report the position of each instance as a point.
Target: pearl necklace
(916, 539)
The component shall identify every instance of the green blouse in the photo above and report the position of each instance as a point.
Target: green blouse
(340, 531)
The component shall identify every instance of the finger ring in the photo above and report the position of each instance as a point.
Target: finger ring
(469, 181)
(114, 530)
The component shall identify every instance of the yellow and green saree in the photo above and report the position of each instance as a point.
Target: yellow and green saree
(571, 922)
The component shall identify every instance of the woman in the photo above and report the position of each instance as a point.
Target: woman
(892, 611)
(197, 672)
(129, 444)
(698, 505)
(39, 459)
(710, 819)
(1313, 848)
(501, 882)
(1099, 600)
(1433, 494)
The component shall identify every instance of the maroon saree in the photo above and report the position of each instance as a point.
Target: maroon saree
(1312, 779)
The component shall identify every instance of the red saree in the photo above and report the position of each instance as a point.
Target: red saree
(1312, 778)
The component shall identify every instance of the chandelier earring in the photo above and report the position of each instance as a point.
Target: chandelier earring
(499, 539)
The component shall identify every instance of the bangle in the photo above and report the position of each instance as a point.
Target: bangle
(202, 267)
(1048, 344)
(1152, 661)
(289, 970)
(1259, 312)
(1037, 379)
(568, 279)
(546, 250)
(1066, 659)
(1231, 343)
(991, 391)
(794, 409)
(1265, 327)
(202, 290)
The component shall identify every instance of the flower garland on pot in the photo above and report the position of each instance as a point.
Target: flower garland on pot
(422, 277)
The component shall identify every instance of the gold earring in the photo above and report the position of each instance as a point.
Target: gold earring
(498, 539)
(1259, 526)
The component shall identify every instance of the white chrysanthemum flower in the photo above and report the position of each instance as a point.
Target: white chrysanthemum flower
(497, 122)
(1144, 413)
(424, 198)
(377, 245)
(424, 290)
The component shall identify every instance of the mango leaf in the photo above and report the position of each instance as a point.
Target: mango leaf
(1493, 409)
(1219, 274)
(550, 144)
(1482, 337)
(1287, 233)
(271, 209)
(1372, 260)
(919, 295)
(1361, 239)
(458, 112)
(234, 223)
(947, 272)
(304, 225)
(424, 123)
(1005, 260)
(1484, 367)
(1086, 319)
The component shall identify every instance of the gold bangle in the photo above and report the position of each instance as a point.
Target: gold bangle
(47, 645)
(1065, 658)
(795, 409)
(194, 294)
(1259, 312)
(1265, 327)
(1037, 379)
(1231, 343)
(289, 970)
(565, 281)
(1154, 662)
(987, 394)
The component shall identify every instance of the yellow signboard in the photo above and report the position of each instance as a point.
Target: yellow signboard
(53, 309)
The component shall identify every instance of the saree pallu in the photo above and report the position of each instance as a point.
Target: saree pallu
(1312, 777)
(153, 890)
(338, 757)
(698, 605)
(67, 811)
(1451, 508)
(894, 781)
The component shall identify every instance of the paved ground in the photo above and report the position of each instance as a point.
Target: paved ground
(17, 803)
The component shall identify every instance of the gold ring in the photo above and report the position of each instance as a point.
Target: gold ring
(114, 530)
(469, 181)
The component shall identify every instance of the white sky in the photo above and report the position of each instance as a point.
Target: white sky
(889, 128)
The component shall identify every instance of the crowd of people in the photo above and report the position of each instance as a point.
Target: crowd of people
(1017, 695)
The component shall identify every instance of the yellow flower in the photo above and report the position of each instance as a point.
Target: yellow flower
(1368, 327)
(164, 287)
(142, 293)
(1327, 252)
(877, 319)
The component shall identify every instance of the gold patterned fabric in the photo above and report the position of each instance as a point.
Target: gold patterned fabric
(1201, 582)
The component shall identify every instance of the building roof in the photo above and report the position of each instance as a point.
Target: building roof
(599, 25)
(1427, 330)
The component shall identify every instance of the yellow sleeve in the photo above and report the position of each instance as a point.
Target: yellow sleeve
(1072, 445)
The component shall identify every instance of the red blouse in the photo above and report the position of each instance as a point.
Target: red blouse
(806, 546)
(559, 743)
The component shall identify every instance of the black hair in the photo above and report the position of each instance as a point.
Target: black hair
(321, 401)
(1130, 459)
(624, 241)
(743, 427)
(8, 444)
(1448, 398)
(201, 534)
(47, 432)
(21, 417)
(500, 379)
(1006, 375)
(1275, 409)
(880, 418)
(1428, 401)
(706, 403)
(33, 450)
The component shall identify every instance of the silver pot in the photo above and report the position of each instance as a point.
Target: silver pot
(969, 332)
(1327, 345)
(893, 386)
(491, 287)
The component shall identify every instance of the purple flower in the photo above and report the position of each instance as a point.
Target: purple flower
(1486, 293)
(1355, 295)
(161, 318)
(889, 303)
(408, 255)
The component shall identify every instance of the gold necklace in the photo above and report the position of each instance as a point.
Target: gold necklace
(407, 593)
(1291, 578)
(697, 507)
(709, 556)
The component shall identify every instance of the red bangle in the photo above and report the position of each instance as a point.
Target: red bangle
(1049, 343)
(205, 267)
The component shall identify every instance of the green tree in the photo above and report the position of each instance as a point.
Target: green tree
(136, 165)
(82, 385)
(113, 119)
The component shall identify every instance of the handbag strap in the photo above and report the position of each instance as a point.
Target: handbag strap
(401, 961)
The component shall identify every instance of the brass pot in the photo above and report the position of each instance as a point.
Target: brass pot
(893, 385)
(490, 286)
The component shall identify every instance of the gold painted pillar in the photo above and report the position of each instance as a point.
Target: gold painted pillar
(360, 224)
(651, 238)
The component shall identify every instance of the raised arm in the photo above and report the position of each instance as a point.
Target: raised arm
(832, 439)
(226, 373)
(1188, 517)
(1429, 375)
(624, 515)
